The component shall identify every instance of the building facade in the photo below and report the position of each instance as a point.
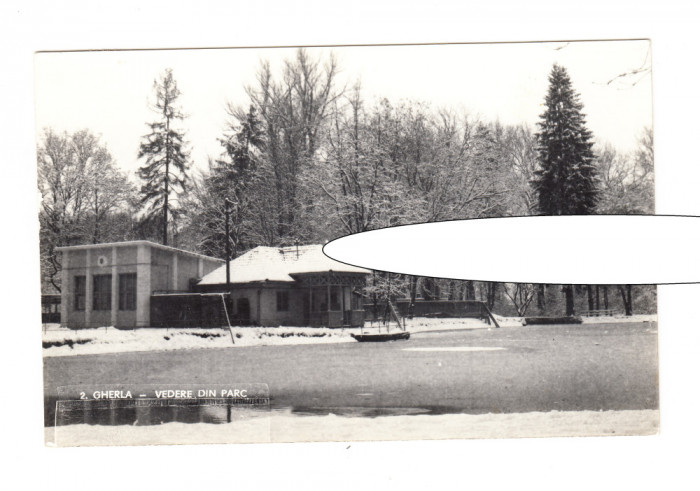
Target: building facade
(112, 284)
(290, 286)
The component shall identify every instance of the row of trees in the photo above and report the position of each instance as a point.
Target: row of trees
(306, 160)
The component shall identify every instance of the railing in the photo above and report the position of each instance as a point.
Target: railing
(337, 318)
(50, 309)
(441, 308)
(174, 292)
(598, 313)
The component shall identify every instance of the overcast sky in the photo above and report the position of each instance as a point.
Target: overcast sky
(108, 92)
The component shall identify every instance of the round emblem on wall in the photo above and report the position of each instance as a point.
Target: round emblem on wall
(102, 261)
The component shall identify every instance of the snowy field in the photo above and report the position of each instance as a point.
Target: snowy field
(613, 319)
(283, 426)
(419, 324)
(59, 341)
(66, 342)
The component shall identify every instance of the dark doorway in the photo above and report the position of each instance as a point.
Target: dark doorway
(306, 311)
(243, 311)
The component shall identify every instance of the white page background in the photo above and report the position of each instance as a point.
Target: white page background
(581, 463)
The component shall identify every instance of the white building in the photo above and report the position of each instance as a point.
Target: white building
(111, 284)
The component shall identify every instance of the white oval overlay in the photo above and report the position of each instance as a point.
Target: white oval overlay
(592, 249)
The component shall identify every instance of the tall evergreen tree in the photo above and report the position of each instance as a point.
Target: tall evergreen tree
(233, 177)
(166, 166)
(566, 181)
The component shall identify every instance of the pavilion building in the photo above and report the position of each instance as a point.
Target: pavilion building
(290, 286)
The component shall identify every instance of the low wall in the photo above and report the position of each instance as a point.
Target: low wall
(190, 310)
(206, 310)
(434, 308)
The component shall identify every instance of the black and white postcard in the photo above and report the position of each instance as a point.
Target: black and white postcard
(187, 195)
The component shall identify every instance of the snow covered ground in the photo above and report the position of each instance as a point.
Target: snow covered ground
(613, 319)
(283, 426)
(66, 342)
(59, 341)
(419, 324)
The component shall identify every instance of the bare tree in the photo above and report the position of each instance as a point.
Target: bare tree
(627, 181)
(109, 191)
(293, 110)
(360, 187)
(521, 295)
(520, 148)
(81, 192)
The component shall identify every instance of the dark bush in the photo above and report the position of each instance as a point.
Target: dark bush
(65, 342)
(205, 335)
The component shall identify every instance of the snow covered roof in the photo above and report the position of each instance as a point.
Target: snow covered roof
(278, 264)
(132, 243)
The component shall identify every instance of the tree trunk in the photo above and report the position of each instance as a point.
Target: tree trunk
(569, 294)
(597, 297)
(431, 289)
(541, 302)
(166, 181)
(96, 229)
(591, 303)
(451, 291)
(375, 306)
(626, 294)
(470, 293)
(425, 289)
(491, 294)
(413, 282)
(605, 297)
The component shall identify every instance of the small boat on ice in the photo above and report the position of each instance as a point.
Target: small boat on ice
(385, 336)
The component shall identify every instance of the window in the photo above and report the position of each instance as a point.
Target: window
(356, 301)
(127, 291)
(282, 301)
(102, 292)
(79, 293)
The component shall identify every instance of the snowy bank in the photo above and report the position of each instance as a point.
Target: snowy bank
(615, 319)
(283, 426)
(425, 324)
(67, 342)
(59, 341)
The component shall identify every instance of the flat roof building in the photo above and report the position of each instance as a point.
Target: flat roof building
(111, 284)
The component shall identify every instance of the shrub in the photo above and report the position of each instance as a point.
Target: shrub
(64, 342)
(205, 335)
